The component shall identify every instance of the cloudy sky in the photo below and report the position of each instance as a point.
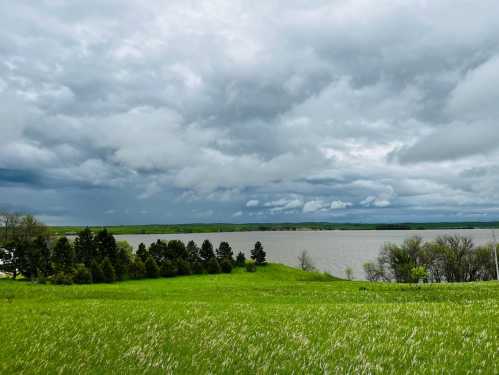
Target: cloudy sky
(242, 111)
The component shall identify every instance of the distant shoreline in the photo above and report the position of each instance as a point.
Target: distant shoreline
(253, 227)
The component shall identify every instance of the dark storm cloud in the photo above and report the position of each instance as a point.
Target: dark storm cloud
(346, 110)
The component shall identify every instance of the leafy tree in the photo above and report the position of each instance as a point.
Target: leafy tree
(258, 255)
(82, 274)
(137, 269)
(142, 252)
(212, 266)
(224, 251)
(152, 269)
(226, 265)
(63, 256)
(251, 266)
(96, 271)
(206, 251)
(192, 252)
(168, 269)
(240, 259)
(85, 247)
(183, 267)
(418, 273)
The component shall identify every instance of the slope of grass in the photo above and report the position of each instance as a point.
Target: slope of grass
(277, 320)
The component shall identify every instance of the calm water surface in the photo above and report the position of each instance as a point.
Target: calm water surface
(331, 251)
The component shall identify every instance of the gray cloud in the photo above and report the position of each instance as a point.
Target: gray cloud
(348, 110)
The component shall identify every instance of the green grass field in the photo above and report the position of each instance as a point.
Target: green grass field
(277, 320)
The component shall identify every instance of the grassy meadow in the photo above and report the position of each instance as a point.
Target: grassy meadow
(277, 320)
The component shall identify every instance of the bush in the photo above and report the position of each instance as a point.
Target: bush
(96, 271)
(258, 255)
(212, 266)
(250, 266)
(62, 278)
(168, 269)
(305, 262)
(152, 269)
(184, 267)
(197, 268)
(137, 269)
(108, 271)
(82, 275)
(240, 259)
(226, 265)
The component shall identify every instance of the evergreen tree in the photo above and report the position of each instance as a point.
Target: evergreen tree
(106, 246)
(240, 259)
(152, 269)
(63, 256)
(258, 255)
(82, 274)
(184, 267)
(168, 269)
(192, 252)
(226, 265)
(197, 268)
(44, 266)
(158, 250)
(137, 269)
(96, 271)
(206, 251)
(224, 251)
(122, 261)
(85, 247)
(108, 270)
(212, 266)
(142, 252)
(176, 250)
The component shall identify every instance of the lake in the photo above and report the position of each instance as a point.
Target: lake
(331, 251)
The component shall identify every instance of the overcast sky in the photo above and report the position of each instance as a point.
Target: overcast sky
(124, 112)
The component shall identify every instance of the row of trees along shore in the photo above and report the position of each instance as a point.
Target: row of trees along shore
(27, 249)
(446, 259)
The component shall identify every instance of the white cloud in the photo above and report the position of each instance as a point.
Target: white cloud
(252, 203)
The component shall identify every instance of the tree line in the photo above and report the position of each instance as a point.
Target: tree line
(446, 259)
(27, 249)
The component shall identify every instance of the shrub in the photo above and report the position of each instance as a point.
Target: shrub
(305, 262)
(82, 275)
(374, 272)
(349, 273)
(62, 278)
(184, 267)
(137, 269)
(168, 269)
(250, 266)
(96, 271)
(226, 265)
(197, 268)
(240, 259)
(212, 266)
(108, 271)
(418, 274)
(152, 269)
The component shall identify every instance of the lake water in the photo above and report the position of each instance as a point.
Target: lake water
(331, 251)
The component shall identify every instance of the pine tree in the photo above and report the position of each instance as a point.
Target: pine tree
(192, 252)
(206, 251)
(258, 255)
(137, 269)
(176, 250)
(226, 265)
(152, 269)
(168, 269)
(240, 260)
(142, 252)
(212, 265)
(63, 256)
(96, 271)
(108, 271)
(85, 247)
(122, 263)
(183, 267)
(224, 251)
(82, 275)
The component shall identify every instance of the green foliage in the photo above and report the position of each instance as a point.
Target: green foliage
(82, 275)
(197, 268)
(240, 259)
(183, 267)
(206, 252)
(142, 252)
(96, 272)
(258, 255)
(137, 269)
(108, 271)
(63, 256)
(224, 251)
(192, 252)
(212, 266)
(418, 273)
(168, 269)
(152, 269)
(62, 278)
(85, 247)
(250, 266)
(226, 265)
